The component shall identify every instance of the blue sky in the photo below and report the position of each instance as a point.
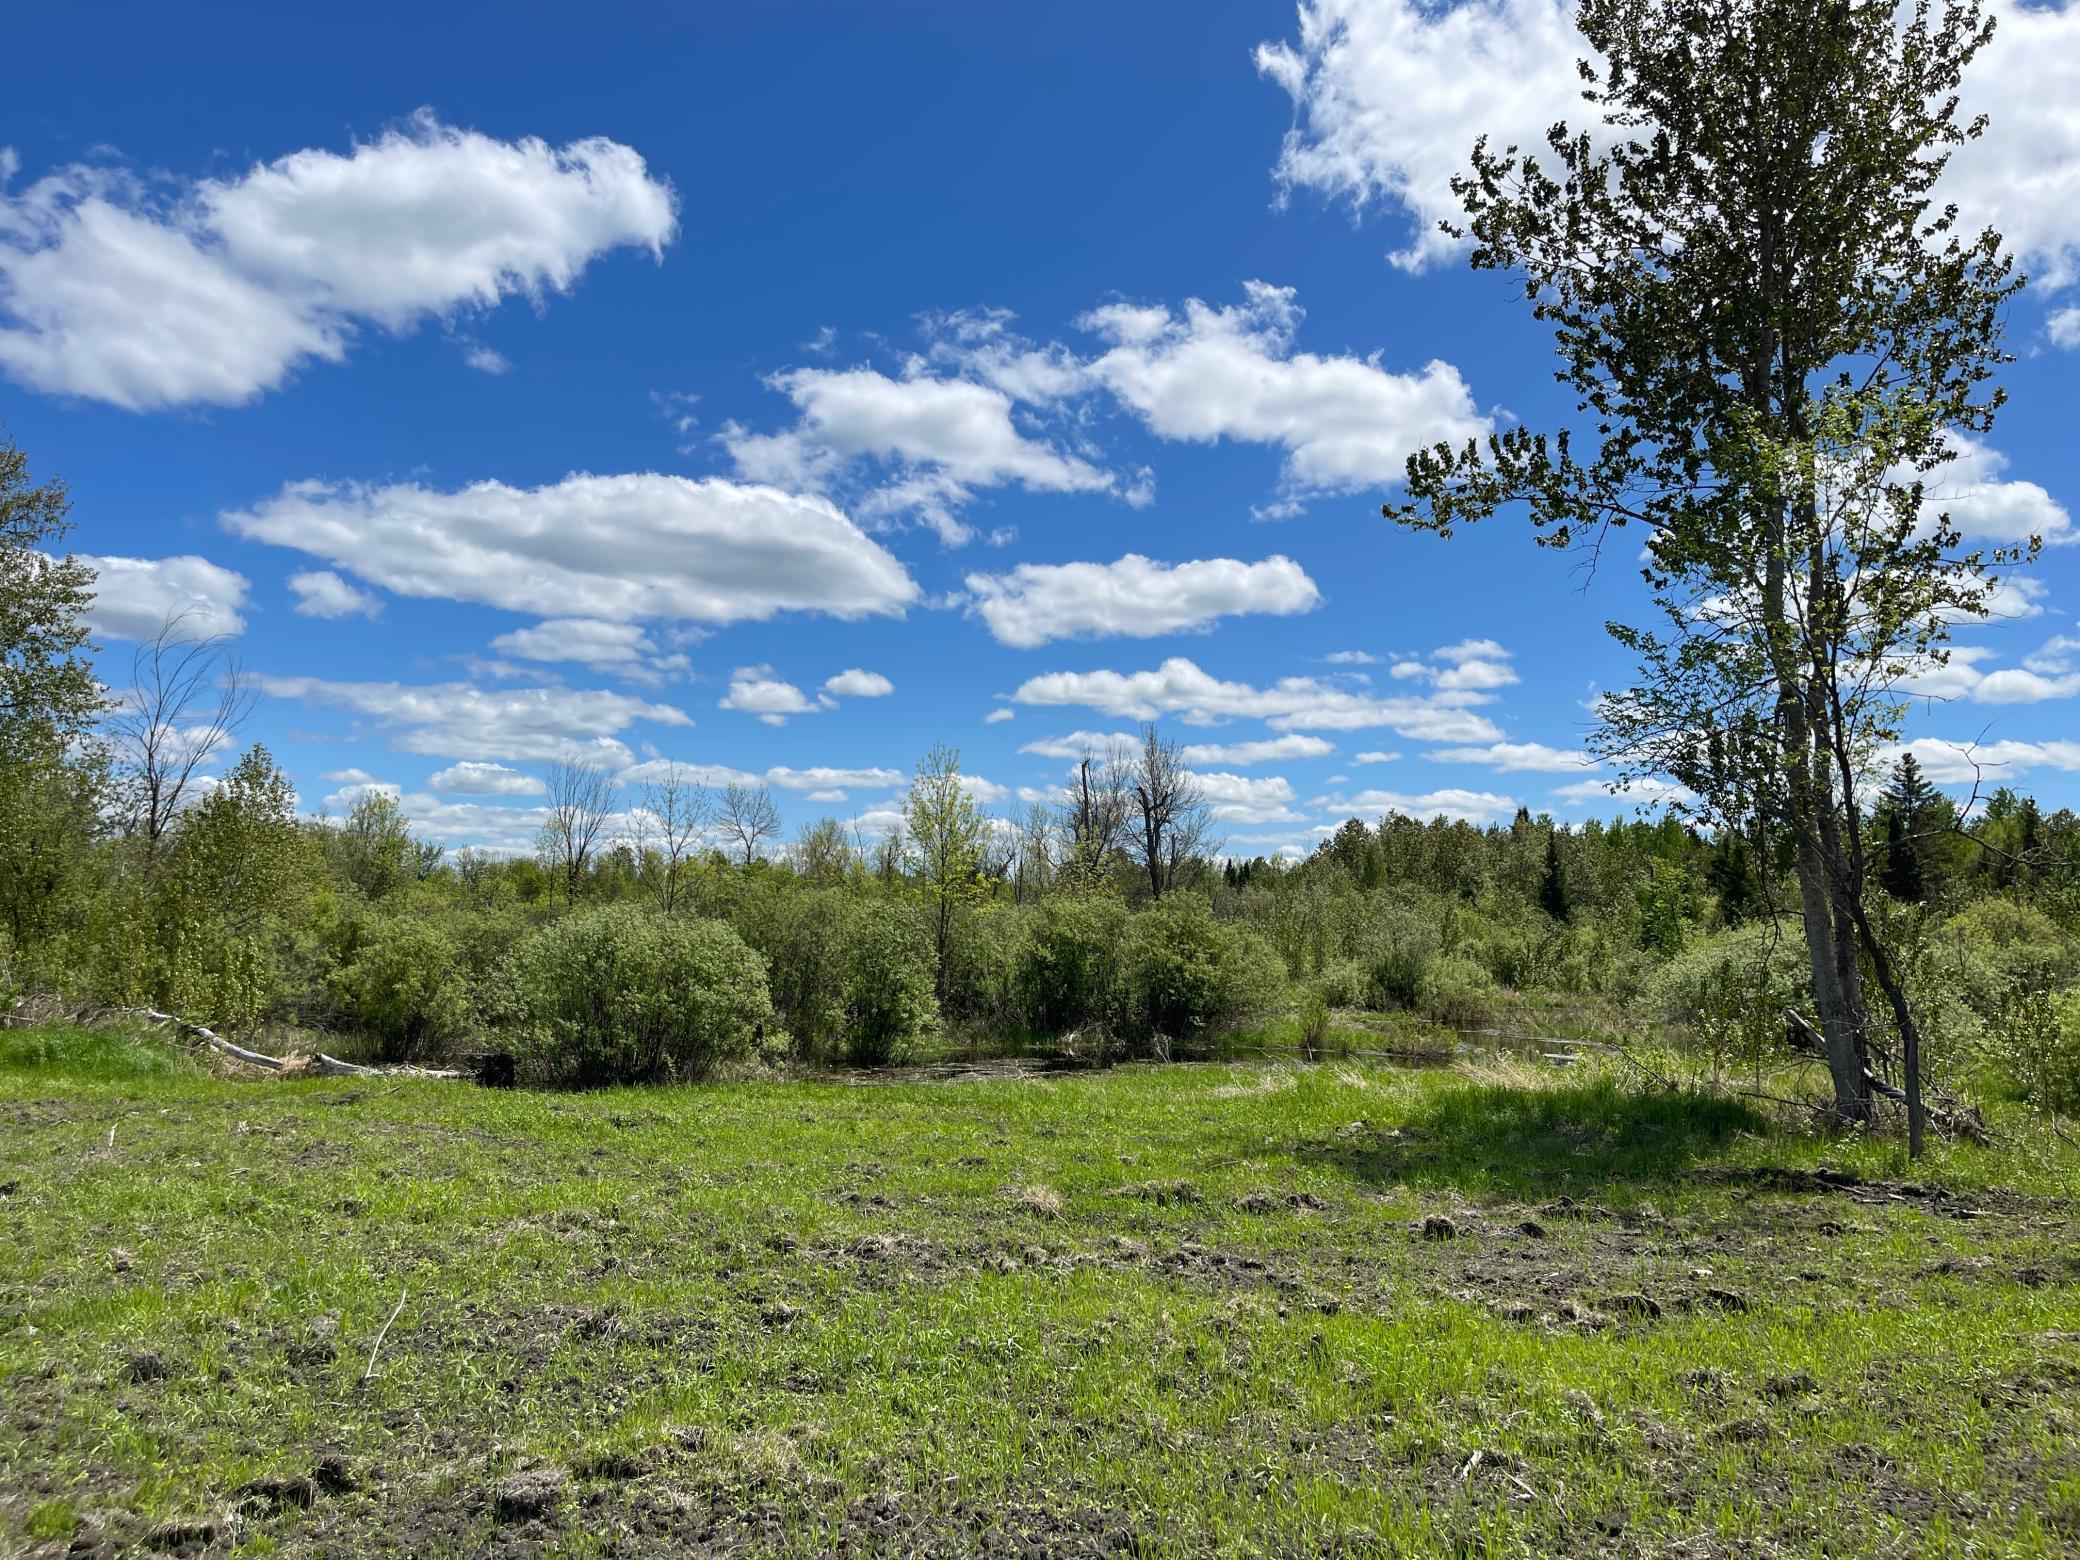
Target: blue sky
(781, 389)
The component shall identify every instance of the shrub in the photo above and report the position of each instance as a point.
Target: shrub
(889, 1003)
(1396, 953)
(406, 987)
(804, 935)
(1455, 991)
(1186, 972)
(1066, 968)
(1730, 991)
(622, 995)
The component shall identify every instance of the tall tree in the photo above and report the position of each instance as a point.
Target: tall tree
(748, 818)
(48, 692)
(187, 701)
(1905, 808)
(946, 831)
(581, 799)
(1093, 816)
(50, 780)
(1773, 335)
(1169, 806)
(667, 827)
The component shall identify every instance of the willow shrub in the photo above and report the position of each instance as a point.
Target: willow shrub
(624, 995)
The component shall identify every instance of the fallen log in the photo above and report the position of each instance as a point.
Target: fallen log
(323, 1065)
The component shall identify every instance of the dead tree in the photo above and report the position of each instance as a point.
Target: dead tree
(1171, 805)
(748, 819)
(188, 698)
(581, 798)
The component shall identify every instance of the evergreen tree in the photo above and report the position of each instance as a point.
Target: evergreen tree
(1553, 897)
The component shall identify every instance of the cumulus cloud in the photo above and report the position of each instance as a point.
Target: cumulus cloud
(459, 720)
(853, 683)
(1076, 743)
(1516, 757)
(755, 690)
(933, 441)
(616, 548)
(1271, 751)
(624, 649)
(1451, 803)
(1967, 763)
(1966, 673)
(1135, 597)
(1248, 799)
(118, 290)
(1641, 790)
(1986, 507)
(474, 778)
(322, 594)
(1375, 758)
(1179, 687)
(1203, 374)
(1473, 666)
(999, 715)
(134, 598)
(1351, 658)
(1390, 95)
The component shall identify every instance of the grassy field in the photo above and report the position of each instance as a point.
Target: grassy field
(1195, 1310)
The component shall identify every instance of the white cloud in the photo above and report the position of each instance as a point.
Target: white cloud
(1135, 597)
(322, 594)
(134, 598)
(755, 690)
(1964, 763)
(114, 290)
(853, 683)
(458, 720)
(1452, 803)
(487, 360)
(1473, 666)
(1516, 757)
(1351, 658)
(1179, 687)
(1390, 95)
(619, 548)
(1249, 798)
(474, 778)
(1983, 506)
(935, 440)
(1206, 374)
(985, 793)
(999, 715)
(1076, 743)
(1965, 674)
(824, 778)
(1375, 758)
(2064, 328)
(1641, 791)
(624, 649)
(1244, 754)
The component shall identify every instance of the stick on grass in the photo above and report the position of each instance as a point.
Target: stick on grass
(369, 1374)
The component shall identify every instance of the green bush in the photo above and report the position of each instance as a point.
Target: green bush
(1455, 990)
(1398, 947)
(1066, 969)
(406, 987)
(1730, 991)
(804, 935)
(889, 998)
(1186, 973)
(623, 995)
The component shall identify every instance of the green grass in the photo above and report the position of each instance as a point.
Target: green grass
(816, 1318)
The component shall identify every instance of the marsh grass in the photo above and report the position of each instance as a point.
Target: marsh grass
(778, 1318)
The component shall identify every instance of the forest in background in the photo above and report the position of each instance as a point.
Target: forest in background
(662, 930)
